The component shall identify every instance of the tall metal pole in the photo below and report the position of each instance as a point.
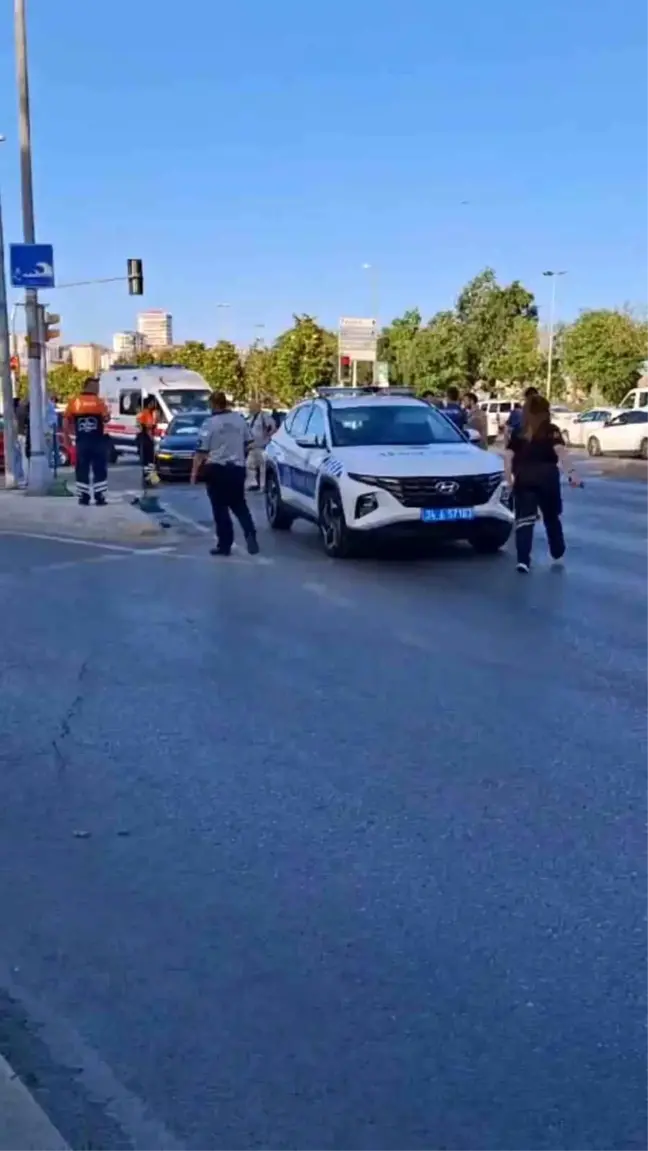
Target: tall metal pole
(9, 426)
(372, 272)
(39, 474)
(552, 317)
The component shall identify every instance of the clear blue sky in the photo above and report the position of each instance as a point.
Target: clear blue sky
(258, 153)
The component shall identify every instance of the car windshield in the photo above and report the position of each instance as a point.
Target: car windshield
(412, 425)
(186, 425)
(186, 400)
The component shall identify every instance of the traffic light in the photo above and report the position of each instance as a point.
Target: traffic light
(346, 361)
(52, 330)
(135, 274)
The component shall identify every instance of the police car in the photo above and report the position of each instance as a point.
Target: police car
(362, 462)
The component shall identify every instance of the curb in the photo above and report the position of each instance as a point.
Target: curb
(24, 1126)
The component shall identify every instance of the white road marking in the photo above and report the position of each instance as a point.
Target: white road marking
(88, 543)
(169, 511)
(325, 592)
(23, 1123)
(131, 1114)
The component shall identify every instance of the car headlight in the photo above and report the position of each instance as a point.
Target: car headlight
(371, 480)
(164, 456)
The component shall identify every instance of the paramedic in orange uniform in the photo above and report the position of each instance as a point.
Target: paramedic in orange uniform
(85, 419)
(147, 421)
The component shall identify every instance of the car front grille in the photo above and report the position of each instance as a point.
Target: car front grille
(432, 491)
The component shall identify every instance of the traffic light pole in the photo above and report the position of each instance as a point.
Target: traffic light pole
(39, 473)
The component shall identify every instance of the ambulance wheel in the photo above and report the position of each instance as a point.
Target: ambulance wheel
(280, 519)
(593, 447)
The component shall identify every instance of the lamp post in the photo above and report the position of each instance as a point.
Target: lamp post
(374, 304)
(39, 473)
(9, 427)
(223, 308)
(552, 316)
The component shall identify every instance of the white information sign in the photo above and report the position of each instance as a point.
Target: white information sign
(357, 339)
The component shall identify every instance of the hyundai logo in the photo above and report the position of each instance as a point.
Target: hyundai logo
(446, 487)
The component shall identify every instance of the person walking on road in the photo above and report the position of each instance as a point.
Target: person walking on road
(263, 428)
(476, 418)
(85, 419)
(514, 422)
(225, 440)
(147, 423)
(533, 458)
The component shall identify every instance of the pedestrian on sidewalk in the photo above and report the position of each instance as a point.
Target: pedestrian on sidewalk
(85, 418)
(263, 428)
(147, 423)
(225, 440)
(534, 455)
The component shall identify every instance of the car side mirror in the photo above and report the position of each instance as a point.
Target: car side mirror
(308, 442)
(607, 423)
(473, 435)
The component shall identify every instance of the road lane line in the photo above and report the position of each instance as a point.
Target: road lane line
(171, 511)
(72, 540)
(23, 1123)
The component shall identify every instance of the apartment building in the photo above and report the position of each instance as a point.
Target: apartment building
(156, 327)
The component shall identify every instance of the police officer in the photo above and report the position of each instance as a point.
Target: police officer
(85, 419)
(453, 408)
(224, 442)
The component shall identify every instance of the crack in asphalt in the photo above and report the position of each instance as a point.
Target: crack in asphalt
(71, 713)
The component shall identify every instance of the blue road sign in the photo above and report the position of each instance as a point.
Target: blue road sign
(32, 265)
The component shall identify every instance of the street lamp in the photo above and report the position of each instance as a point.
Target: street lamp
(223, 307)
(39, 473)
(9, 429)
(372, 272)
(552, 313)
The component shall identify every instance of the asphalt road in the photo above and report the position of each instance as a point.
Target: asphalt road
(298, 854)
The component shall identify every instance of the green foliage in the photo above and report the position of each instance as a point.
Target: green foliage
(438, 355)
(604, 352)
(302, 358)
(65, 381)
(490, 318)
(396, 347)
(517, 357)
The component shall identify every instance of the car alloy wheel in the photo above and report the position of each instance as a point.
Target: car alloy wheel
(593, 446)
(278, 517)
(643, 449)
(336, 537)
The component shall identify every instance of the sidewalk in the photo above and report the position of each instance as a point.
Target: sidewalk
(24, 1126)
(62, 516)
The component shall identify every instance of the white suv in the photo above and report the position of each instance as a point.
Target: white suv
(356, 462)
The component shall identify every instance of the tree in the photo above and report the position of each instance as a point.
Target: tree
(257, 375)
(396, 345)
(604, 352)
(488, 313)
(303, 358)
(517, 358)
(438, 356)
(221, 367)
(65, 381)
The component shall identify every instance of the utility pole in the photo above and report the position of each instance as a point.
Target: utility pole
(552, 320)
(372, 272)
(9, 426)
(39, 473)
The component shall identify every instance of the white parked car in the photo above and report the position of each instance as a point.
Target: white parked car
(358, 464)
(578, 427)
(626, 434)
(497, 414)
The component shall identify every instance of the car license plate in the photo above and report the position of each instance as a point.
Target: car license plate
(443, 515)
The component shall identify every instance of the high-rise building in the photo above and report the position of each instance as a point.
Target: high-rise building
(86, 357)
(127, 344)
(156, 326)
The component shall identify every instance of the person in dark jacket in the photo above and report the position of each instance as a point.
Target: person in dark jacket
(515, 419)
(453, 408)
(534, 456)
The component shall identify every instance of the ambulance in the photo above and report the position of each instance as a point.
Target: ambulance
(125, 388)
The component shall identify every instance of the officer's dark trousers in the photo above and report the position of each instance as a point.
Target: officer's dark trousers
(226, 491)
(147, 456)
(91, 456)
(544, 496)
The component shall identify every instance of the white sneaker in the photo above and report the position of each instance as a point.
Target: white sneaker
(524, 569)
(558, 564)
